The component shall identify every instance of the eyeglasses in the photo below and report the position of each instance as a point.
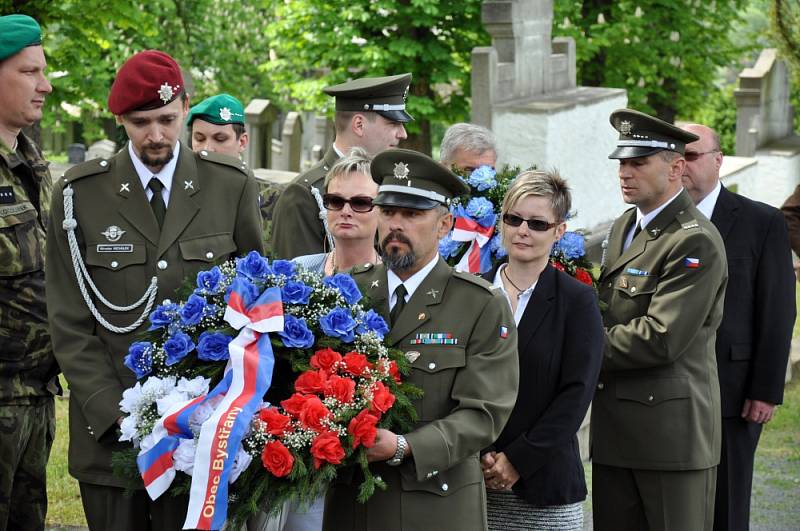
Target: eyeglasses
(359, 203)
(538, 225)
(692, 156)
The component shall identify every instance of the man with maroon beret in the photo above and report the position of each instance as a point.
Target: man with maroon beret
(142, 221)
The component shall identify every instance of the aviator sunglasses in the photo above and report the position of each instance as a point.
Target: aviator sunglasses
(359, 203)
(538, 225)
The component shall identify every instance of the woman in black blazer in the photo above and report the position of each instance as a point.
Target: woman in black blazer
(533, 472)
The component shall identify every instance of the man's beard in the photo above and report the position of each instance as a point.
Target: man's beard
(396, 260)
(156, 162)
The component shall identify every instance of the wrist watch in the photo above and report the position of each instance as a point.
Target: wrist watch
(400, 453)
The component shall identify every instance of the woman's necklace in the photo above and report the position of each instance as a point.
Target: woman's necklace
(519, 291)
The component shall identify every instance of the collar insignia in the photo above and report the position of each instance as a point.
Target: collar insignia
(375, 283)
(125, 187)
(113, 233)
(188, 184)
(400, 170)
(433, 292)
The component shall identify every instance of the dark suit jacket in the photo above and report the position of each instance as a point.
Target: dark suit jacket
(754, 338)
(560, 340)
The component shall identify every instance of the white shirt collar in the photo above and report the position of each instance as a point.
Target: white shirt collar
(706, 206)
(411, 284)
(644, 219)
(522, 299)
(338, 151)
(165, 175)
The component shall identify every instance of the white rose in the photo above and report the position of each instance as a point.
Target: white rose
(184, 456)
(240, 464)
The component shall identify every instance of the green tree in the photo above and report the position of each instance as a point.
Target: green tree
(315, 43)
(785, 22)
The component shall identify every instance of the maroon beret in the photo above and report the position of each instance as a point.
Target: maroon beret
(148, 80)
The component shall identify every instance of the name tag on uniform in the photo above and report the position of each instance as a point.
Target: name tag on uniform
(7, 195)
(115, 248)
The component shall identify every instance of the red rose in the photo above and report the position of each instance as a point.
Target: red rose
(310, 382)
(276, 422)
(294, 404)
(277, 459)
(342, 389)
(394, 371)
(325, 359)
(557, 265)
(362, 428)
(313, 413)
(583, 275)
(355, 363)
(326, 447)
(382, 398)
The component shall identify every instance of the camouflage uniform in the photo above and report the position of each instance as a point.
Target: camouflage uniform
(27, 367)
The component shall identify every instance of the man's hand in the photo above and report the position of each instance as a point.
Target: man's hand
(385, 446)
(757, 411)
(500, 474)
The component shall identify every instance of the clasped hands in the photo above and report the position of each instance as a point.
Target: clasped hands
(498, 472)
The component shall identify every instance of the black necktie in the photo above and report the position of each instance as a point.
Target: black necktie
(400, 293)
(636, 231)
(157, 201)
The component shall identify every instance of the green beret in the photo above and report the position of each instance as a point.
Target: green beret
(221, 109)
(16, 33)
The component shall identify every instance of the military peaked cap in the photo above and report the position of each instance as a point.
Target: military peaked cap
(383, 95)
(642, 135)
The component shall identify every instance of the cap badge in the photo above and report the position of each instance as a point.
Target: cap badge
(400, 170)
(166, 92)
(113, 233)
(225, 114)
(405, 94)
(625, 127)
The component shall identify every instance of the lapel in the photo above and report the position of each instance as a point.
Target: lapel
(376, 292)
(725, 212)
(328, 160)
(417, 311)
(182, 206)
(616, 238)
(134, 207)
(539, 306)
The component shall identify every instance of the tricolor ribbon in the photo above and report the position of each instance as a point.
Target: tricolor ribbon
(478, 258)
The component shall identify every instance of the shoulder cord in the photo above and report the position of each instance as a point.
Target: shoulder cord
(323, 215)
(604, 245)
(81, 273)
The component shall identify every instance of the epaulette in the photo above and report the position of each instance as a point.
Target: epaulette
(225, 160)
(85, 169)
(687, 221)
(473, 279)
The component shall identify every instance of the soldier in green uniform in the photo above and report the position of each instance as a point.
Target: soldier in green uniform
(370, 113)
(656, 412)
(216, 124)
(459, 335)
(128, 232)
(27, 367)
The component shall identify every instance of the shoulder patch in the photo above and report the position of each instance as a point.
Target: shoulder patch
(85, 169)
(473, 279)
(224, 160)
(687, 220)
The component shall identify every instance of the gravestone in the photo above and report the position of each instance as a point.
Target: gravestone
(76, 153)
(102, 149)
(259, 115)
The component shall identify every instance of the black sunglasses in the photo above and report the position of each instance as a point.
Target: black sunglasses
(359, 203)
(538, 225)
(692, 156)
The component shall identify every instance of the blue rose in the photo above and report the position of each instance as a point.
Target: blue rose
(481, 210)
(496, 246)
(295, 333)
(372, 321)
(163, 315)
(177, 347)
(482, 178)
(209, 282)
(295, 292)
(283, 267)
(339, 323)
(247, 290)
(193, 310)
(448, 246)
(253, 266)
(140, 358)
(346, 286)
(213, 346)
(571, 245)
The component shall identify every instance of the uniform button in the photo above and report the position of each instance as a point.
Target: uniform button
(445, 486)
(429, 475)
(204, 153)
(162, 264)
(601, 385)
(114, 264)
(103, 163)
(209, 255)
(633, 289)
(650, 398)
(431, 365)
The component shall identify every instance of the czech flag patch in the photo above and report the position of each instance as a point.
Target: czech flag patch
(503, 332)
(691, 263)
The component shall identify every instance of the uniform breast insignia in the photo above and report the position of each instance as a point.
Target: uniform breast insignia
(412, 356)
(187, 185)
(113, 233)
(125, 187)
(435, 338)
(623, 282)
(7, 196)
(636, 272)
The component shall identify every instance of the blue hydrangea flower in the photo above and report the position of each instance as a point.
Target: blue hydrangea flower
(482, 178)
(496, 246)
(177, 347)
(371, 321)
(448, 246)
(163, 315)
(253, 266)
(283, 267)
(346, 286)
(209, 282)
(295, 333)
(571, 245)
(140, 358)
(193, 310)
(213, 346)
(481, 210)
(339, 323)
(295, 292)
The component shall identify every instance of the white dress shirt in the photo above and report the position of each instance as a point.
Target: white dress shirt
(644, 219)
(411, 284)
(706, 206)
(165, 175)
(522, 299)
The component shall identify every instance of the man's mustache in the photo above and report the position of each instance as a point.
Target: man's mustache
(394, 235)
